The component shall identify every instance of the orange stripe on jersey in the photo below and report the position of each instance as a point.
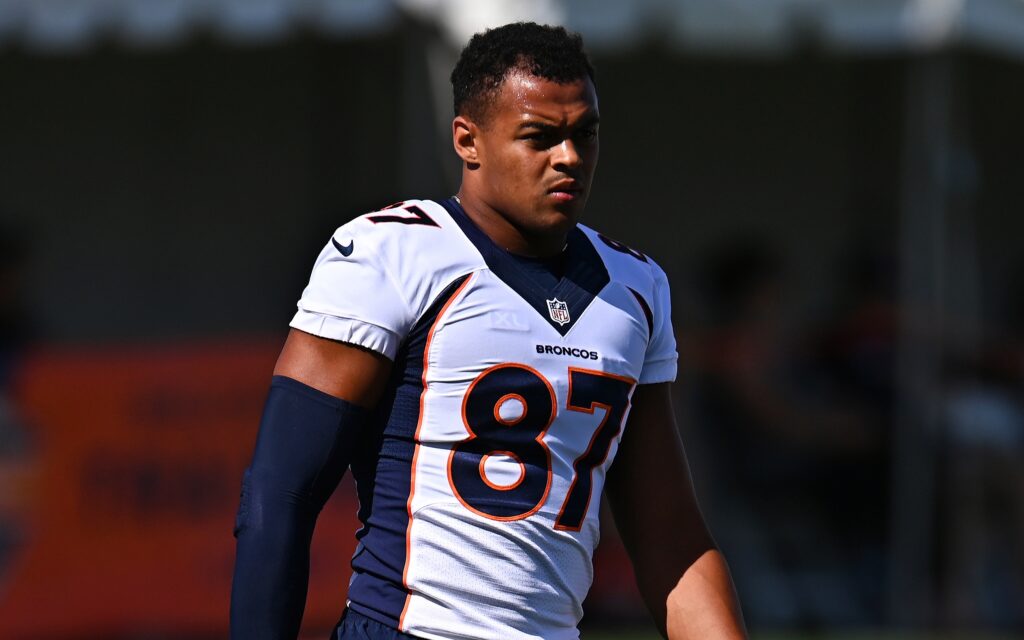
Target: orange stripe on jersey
(416, 448)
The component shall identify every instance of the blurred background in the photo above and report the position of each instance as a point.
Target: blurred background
(833, 186)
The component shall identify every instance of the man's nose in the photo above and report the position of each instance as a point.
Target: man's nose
(565, 154)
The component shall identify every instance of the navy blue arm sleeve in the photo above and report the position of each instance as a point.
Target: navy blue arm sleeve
(302, 450)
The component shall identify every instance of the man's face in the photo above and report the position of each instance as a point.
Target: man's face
(537, 150)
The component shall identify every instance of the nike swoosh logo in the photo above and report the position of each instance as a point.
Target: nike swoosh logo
(345, 250)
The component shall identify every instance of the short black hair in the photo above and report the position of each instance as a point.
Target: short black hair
(547, 52)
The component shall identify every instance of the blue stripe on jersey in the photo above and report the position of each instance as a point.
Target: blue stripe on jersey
(382, 468)
(585, 273)
(647, 312)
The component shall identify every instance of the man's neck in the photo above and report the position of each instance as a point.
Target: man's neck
(506, 235)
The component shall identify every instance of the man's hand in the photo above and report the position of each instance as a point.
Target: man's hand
(703, 604)
(681, 574)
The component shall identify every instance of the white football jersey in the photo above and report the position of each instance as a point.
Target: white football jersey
(480, 480)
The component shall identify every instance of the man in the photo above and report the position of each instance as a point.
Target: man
(474, 361)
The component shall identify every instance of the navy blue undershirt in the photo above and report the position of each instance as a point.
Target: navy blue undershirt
(574, 278)
(546, 272)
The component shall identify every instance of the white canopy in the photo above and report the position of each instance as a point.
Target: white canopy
(758, 27)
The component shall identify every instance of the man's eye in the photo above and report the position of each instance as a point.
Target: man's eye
(540, 138)
(586, 134)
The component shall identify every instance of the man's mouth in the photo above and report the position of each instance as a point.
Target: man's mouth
(566, 191)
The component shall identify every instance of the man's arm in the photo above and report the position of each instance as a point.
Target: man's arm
(311, 423)
(344, 371)
(682, 576)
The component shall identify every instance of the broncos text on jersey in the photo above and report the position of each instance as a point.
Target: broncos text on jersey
(480, 476)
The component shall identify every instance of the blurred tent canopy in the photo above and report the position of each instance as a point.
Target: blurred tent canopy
(760, 27)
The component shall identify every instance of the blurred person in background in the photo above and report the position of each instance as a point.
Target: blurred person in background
(474, 360)
(16, 447)
(797, 456)
(982, 574)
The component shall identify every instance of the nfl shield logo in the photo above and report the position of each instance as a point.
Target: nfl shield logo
(559, 311)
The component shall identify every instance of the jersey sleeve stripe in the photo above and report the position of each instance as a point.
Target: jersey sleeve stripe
(646, 309)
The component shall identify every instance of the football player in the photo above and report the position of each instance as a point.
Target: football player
(479, 362)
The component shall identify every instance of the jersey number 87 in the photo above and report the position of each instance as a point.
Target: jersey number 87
(522, 439)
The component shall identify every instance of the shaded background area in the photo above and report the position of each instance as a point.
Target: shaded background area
(839, 216)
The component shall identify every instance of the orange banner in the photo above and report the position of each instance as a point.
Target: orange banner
(119, 516)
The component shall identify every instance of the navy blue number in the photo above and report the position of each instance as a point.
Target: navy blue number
(419, 216)
(519, 439)
(618, 246)
(589, 390)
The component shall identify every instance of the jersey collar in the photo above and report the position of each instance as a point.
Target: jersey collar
(584, 277)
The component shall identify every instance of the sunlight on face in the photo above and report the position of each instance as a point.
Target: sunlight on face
(538, 149)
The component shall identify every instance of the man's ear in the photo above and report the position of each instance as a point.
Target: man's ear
(464, 139)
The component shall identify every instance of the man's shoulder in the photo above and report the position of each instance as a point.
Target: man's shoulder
(399, 222)
(623, 262)
(419, 231)
(380, 272)
(415, 243)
